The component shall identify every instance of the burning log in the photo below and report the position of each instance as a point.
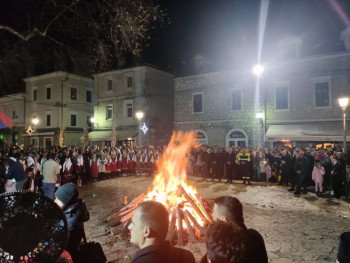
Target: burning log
(134, 202)
(194, 206)
(171, 231)
(190, 229)
(208, 215)
(180, 240)
(201, 229)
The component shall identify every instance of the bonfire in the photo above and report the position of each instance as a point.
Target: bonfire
(189, 213)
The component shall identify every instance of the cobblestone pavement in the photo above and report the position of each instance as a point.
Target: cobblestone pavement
(301, 229)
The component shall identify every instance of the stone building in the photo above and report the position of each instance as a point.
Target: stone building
(13, 106)
(63, 105)
(120, 94)
(297, 96)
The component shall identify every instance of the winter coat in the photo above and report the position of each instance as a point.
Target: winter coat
(76, 214)
(317, 174)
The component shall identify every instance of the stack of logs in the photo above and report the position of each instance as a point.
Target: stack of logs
(177, 232)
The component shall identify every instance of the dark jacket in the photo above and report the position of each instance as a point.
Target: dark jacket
(76, 215)
(302, 165)
(16, 171)
(163, 252)
(257, 250)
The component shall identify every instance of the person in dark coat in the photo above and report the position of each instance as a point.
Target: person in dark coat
(337, 176)
(215, 161)
(148, 229)
(67, 197)
(16, 172)
(227, 242)
(230, 162)
(286, 162)
(229, 209)
(302, 167)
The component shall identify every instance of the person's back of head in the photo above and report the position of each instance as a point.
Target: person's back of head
(230, 208)
(155, 215)
(344, 248)
(149, 224)
(227, 243)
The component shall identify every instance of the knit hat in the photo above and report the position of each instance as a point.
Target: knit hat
(67, 193)
(344, 248)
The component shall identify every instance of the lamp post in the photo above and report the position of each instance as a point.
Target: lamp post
(343, 103)
(139, 116)
(258, 71)
(35, 122)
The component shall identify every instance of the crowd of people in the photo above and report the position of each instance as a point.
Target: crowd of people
(59, 172)
(37, 170)
(298, 168)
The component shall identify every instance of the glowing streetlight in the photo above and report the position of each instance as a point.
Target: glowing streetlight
(139, 116)
(343, 103)
(258, 70)
(93, 119)
(35, 121)
(259, 115)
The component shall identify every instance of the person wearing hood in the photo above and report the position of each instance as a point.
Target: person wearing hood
(67, 198)
(17, 173)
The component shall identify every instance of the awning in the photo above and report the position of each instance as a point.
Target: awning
(99, 136)
(330, 131)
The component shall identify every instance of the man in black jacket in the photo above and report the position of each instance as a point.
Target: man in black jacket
(230, 162)
(230, 209)
(302, 167)
(16, 172)
(149, 228)
(215, 161)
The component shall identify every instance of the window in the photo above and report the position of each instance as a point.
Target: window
(109, 112)
(14, 115)
(128, 109)
(109, 84)
(73, 120)
(236, 100)
(282, 101)
(73, 94)
(322, 94)
(197, 102)
(48, 120)
(35, 95)
(129, 82)
(48, 93)
(88, 96)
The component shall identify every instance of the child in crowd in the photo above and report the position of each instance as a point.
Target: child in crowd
(268, 171)
(317, 176)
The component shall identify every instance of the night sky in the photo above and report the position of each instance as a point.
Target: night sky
(223, 34)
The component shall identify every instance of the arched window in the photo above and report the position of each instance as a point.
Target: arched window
(236, 138)
(201, 138)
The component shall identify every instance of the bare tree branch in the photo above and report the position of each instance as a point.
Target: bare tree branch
(35, 30)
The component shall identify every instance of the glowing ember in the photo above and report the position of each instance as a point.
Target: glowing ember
(187, 209)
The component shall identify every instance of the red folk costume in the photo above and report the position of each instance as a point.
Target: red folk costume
(108, 164)
(119, 162)
(94, 167)
(113, 164)
(67, 169)
(80, 167)
(138, 164)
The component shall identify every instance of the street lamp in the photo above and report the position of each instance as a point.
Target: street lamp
(93, 119)
(139, 116)
(258, 70)
(343, 103)
(35, 121)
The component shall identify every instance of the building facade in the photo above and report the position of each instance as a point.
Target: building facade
(298, 99)
(120, 94)
(62, 103)
(13, 107)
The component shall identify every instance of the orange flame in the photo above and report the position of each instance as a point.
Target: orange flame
(172, 178)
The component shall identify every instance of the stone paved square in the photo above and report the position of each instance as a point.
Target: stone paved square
(301, 229)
